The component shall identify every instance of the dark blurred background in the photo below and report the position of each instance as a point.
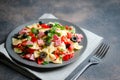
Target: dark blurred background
(99, 16)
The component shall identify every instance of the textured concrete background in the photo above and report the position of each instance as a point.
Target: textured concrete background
(99, 16)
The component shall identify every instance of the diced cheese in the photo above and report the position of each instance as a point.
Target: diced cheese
(77, 46)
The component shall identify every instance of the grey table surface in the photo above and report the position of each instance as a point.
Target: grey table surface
(99, 16)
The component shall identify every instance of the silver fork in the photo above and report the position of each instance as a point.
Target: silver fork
(95, 59)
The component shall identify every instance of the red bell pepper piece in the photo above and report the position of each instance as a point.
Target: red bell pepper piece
(68, 27)
(69, 35)
(71, 47)
(68, 56)
(34, 39)
(26, 56)
(45, 26)
(39, 60)
(31, 34)
(24, 43)
(64, 39)
(30, 51)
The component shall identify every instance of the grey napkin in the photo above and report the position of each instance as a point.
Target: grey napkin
(61, 73)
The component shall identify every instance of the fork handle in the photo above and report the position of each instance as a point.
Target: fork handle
(80, 72)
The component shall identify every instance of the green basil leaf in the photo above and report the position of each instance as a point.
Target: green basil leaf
(34, 31)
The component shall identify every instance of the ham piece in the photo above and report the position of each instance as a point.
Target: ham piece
(57, 40)
(23, 31)
(41, 34)
(40, 42)
(79, 37)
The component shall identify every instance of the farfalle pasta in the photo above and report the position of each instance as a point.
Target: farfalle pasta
(47, 42)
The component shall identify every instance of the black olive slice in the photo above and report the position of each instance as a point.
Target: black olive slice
(67, 45)
(50, 25)
(24, 36)
(46, 32)
(16, 36)
(40, 22)
(43, 54)
(74, 39)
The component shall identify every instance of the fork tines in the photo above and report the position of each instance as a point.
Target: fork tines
(102, 50)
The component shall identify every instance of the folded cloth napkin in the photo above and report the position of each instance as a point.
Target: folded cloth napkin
(93, 42)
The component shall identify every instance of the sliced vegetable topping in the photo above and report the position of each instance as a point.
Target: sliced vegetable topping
(46, 32)
(24, 36)
(74, 39)
(17, 36)
(40, 22)
(43, 54)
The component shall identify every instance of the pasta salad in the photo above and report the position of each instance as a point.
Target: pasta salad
(47, 42)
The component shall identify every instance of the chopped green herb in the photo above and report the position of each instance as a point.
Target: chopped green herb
(59, 26)
(58, 34)
(28, 37)
(34, 31)
(48, 39)
(45, 62)
(62, 27)
(50, 35)
(53, 29)
(29, 45)
(60, 57)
